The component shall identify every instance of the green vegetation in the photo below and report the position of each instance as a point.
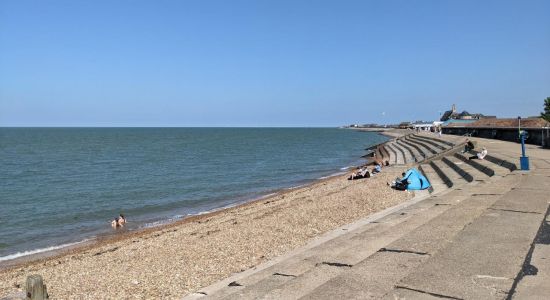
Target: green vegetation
(546, 114)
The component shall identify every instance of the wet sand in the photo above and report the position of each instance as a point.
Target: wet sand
(170, 261)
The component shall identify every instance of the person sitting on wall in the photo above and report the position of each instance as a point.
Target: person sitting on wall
(480, 155)
(469, 146)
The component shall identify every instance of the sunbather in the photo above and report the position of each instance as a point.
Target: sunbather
(480, 155)
(377, 169)
(362, 172)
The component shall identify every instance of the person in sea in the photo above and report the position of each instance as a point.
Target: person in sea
(468, 147)
(399, 184)
(480, 155)
(118, 221)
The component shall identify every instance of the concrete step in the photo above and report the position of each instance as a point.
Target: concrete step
(409, 153)
(392, 153)
(532, 282)
(467, 167)
(448, 140)
(419, 151)
(487, 170)
(336, 257)
(384, 152)
(434, 144)
(452, 174)
(498, 169)
(437, 183)
(303, 259)
(504, 162)
(429, 149)
(485, 257)
(441, 174)
(452, 163)
(501, 166)
(401, 157)
(377, 275)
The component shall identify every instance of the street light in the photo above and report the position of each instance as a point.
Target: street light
(519, 126)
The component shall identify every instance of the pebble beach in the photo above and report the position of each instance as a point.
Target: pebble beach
(171, 261)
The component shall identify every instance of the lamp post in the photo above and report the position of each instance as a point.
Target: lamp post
(519, 126)
(523, 160)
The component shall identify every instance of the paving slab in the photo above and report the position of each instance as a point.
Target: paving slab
(436, 234)
(535, 182)
(520, 200)
(408, 294)
(537, 284)
(325, 266)
(483, 259)
(422, 241)
(534, 280)
(301, 262)
(369, 280)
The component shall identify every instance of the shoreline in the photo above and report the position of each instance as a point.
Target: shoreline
(57, 251)
(205, 248)
(62, 250)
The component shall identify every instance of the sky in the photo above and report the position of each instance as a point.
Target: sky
(269, 63)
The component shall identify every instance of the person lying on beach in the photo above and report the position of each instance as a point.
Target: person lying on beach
(362, 172)
(480, 155)
(468, 147)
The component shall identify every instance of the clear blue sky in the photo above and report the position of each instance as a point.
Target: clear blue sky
(268, 63)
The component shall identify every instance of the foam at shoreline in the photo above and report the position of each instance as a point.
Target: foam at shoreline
(42, 250)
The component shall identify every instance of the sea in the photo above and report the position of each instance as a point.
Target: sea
(63, 186)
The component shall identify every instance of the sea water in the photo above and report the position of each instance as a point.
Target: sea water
(59, 186)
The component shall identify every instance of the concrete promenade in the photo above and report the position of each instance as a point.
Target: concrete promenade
(482, 233)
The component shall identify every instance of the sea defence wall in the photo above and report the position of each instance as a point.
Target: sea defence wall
(537, 136)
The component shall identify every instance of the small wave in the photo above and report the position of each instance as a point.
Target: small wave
(346, 168)
(332, 175)
(42, 250)
(297, 186)
(267, 196)
(162, 222)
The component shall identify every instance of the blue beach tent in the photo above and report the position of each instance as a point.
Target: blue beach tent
(416, 180)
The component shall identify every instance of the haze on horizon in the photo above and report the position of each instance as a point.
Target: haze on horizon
(269, 63)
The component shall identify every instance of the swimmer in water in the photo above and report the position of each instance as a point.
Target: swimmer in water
(118, 221)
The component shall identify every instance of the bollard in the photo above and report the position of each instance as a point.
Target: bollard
(35, 288)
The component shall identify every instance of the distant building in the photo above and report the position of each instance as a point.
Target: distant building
(404, 125)
(464, 115)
